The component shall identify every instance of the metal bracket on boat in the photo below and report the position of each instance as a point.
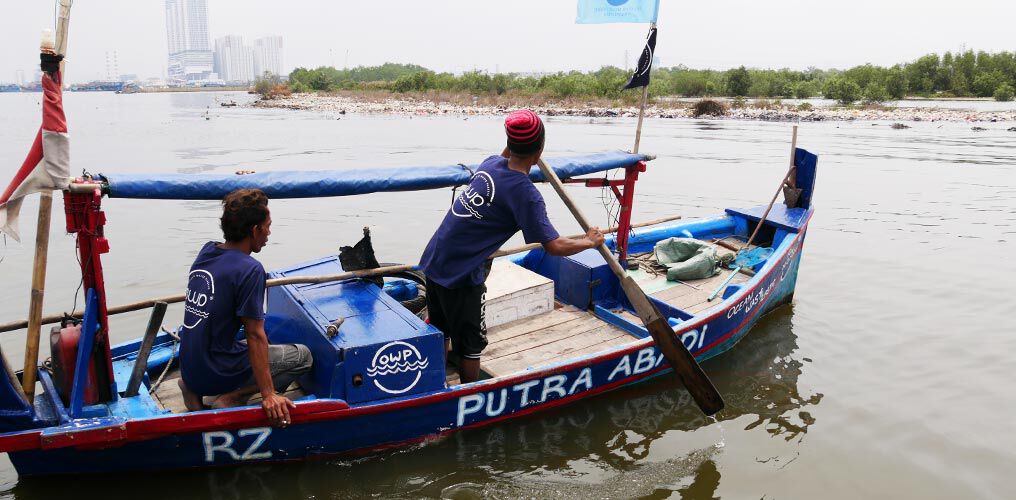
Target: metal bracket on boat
(333, 329)
(87, 187)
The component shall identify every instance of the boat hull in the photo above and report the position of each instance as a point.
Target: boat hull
(325, 428)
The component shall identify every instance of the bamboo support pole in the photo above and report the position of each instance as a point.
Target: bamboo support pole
(38, 291)
(42, 239)
(534, 246)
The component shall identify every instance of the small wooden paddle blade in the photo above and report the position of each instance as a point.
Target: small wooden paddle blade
(684, 364)
(686, 367)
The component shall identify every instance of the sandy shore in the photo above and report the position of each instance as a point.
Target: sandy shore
(418, 106)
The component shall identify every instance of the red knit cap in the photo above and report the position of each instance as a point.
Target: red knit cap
(525, 131)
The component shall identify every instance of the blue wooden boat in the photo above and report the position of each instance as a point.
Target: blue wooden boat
(380, 377)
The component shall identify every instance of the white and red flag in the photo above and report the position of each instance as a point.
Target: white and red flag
(47, 166)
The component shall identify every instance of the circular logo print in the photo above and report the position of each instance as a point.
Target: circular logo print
(397, 367)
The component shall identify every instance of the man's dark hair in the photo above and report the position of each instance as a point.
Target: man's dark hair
(241, 211)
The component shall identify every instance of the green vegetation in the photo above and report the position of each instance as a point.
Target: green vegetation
(270, 86)
(1004, 92)
(966, 74)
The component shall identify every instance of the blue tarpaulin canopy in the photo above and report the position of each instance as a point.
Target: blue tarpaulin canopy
(322, 183)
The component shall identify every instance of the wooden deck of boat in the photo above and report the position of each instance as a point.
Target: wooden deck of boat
(168, 394)
(555, 336)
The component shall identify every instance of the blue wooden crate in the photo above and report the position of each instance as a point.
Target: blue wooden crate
(380, 351)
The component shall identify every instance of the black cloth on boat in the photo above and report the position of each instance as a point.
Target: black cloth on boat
(361, 256)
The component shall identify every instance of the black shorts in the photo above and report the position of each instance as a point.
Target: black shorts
(458, 312)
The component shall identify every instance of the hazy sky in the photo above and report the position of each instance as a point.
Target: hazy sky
(521, 35)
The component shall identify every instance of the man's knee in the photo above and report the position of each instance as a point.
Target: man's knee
(305, 360)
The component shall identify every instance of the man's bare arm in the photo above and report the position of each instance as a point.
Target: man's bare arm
(276, 406)
(563, 247)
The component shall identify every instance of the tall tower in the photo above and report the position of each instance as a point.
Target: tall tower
(190, 53)
(268, 56)
(234, 59)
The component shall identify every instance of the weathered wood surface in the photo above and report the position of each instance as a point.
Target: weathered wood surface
(169, 397)
(558, 334)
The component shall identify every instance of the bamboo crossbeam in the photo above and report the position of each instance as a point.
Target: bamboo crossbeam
(172, 299)
(534, 246)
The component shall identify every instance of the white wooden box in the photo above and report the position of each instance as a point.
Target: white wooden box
(514, 293)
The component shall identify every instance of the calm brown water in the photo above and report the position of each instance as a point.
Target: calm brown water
(891, 375)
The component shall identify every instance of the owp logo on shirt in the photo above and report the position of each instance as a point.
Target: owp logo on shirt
(200, 290)
(479, 193)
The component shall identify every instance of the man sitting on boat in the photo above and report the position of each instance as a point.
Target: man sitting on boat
(226, 290)
(499, 201)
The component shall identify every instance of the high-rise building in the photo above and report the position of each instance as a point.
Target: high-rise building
(190, 54)
(268, 55)
(234, 60)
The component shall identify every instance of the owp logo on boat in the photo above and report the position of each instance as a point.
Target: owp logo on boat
(200, 290)
(393, 363)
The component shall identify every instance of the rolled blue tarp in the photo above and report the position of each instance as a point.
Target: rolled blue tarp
(324, 183)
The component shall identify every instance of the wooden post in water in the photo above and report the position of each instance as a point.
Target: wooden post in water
(42, 239)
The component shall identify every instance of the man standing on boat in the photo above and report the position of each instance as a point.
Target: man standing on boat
(499, 201)
(226, 290)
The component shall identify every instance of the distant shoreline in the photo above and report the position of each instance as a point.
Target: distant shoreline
(423, 104)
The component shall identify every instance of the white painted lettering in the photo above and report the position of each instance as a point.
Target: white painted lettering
(585, 378)
(491, 412)
(468, 405)
(210, 446)
(624, 366)
(644, 362)
(524, 387)
(262, 435)
(554, 385)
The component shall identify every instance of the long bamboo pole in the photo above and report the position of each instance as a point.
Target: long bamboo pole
(172, 299)
(42, 239)
(534, 246)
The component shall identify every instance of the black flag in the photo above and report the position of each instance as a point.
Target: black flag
(641, 76)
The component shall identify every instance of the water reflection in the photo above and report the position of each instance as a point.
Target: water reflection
(602, 447)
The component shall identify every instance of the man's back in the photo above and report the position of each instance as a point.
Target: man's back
(496, 204)
(223, 285)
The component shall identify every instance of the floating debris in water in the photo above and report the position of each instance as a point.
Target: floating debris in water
(900, 126)
(978, 129)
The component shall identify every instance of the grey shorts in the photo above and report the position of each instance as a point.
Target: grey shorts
(287, 362)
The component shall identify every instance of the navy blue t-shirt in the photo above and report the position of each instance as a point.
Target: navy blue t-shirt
(497, 203)
(223, 286)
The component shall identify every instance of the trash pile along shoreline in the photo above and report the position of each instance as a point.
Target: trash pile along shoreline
(422, 107)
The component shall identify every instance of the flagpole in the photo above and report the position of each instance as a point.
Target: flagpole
(642, 107)
(42, 239)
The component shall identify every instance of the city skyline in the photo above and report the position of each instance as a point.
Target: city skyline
(188, 40)
(530, 36)
(238, 61)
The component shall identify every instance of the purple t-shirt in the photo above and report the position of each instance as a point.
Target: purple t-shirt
(497, 203)
(223, 286)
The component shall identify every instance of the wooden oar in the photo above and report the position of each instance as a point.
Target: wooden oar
(683, 363)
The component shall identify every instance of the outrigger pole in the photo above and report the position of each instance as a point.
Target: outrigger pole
(42, 236)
